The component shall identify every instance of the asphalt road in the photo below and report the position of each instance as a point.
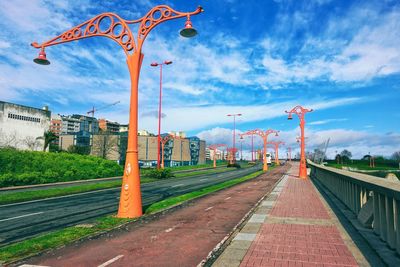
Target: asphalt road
(23, 220)
(5, 190)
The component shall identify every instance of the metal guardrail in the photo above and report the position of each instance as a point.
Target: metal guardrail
(355, 189)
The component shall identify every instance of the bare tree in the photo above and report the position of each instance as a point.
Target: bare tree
(396, 156)
(105, 145)
(8, 140)
(31, 142)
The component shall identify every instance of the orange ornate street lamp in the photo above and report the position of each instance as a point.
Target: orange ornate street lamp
(214, 148)
(234, 128)
(276, 146)
(264, 136)
(130, 205)
(155, 64)
(300, 112)
(163, 141)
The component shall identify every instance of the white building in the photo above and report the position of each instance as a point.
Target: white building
(22, 127)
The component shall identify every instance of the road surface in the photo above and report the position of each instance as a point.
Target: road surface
(20, 221)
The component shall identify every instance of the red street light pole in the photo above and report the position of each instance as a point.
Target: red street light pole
(264, 136)
(155, 64)
(130, 205)
(276, 146)
(300, 112)
(234, 126)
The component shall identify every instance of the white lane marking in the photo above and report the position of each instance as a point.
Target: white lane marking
(177, 185)
(203, 179)
(227, 198)
(207, 209)
(49, 198)
(110, 261)
(172, 228)
(29, 265)
(21, 216)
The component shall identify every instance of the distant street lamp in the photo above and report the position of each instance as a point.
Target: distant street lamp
(264, 136)
(234, 126)
(214, 148)
(276, 146)
(300, 112)
(114, 27)
(155, 64)
(290, 154)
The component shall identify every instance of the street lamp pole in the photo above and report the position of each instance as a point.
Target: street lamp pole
(276, 146)
(163, 141)
(264, 136)
(300, 112)
(214, 148)
(155, 64)
(130, 205)
(234, 128)
(290, 154)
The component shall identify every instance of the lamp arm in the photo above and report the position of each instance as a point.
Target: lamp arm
(116, 30)
(157, 15)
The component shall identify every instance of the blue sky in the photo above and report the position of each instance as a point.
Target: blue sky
(259, 58)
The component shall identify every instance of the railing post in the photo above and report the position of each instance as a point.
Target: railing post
(390, 234)
(382, 217)
(376, 223)
(397, 223)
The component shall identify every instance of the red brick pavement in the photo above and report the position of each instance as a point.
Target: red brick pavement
(279, 244)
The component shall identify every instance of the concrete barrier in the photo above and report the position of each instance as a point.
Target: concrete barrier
(356, 189)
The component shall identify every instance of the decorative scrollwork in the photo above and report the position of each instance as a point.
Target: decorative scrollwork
(107, 24)
(261, 133)
(299, 111)
(114, 27)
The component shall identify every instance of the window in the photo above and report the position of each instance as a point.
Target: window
(22, 118)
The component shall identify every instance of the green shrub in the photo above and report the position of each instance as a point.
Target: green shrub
(32, 167)
(160, 174)
(233, 165)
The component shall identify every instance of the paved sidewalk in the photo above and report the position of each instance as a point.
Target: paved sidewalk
(293, 227)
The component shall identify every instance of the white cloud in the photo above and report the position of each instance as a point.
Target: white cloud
(358, 142)
(320, 122)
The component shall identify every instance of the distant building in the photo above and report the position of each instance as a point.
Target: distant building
(70, 125)
(109, 126)
(211, 153)
(123, 128)
(22, 126)
(87, 124)
(56, 124)
(144, 133)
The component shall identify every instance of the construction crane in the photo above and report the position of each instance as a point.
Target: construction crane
(93, 110)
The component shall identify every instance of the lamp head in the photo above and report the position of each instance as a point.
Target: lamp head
(154, 64)
(41, 59)
(276, 134)
(167, 62)
(290, 116)
(188, 31)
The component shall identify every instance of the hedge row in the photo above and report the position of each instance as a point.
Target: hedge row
(31, 167)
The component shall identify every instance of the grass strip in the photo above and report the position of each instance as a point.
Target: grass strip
(15, 197)
(59, 238)
(207, 190)
(30, 247)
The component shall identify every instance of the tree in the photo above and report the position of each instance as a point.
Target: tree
(48, 137)
(396, 156)
(31, 142)
(105, 145)
(82, 150)
(346, 155)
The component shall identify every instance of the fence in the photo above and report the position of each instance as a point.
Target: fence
(356, 189)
